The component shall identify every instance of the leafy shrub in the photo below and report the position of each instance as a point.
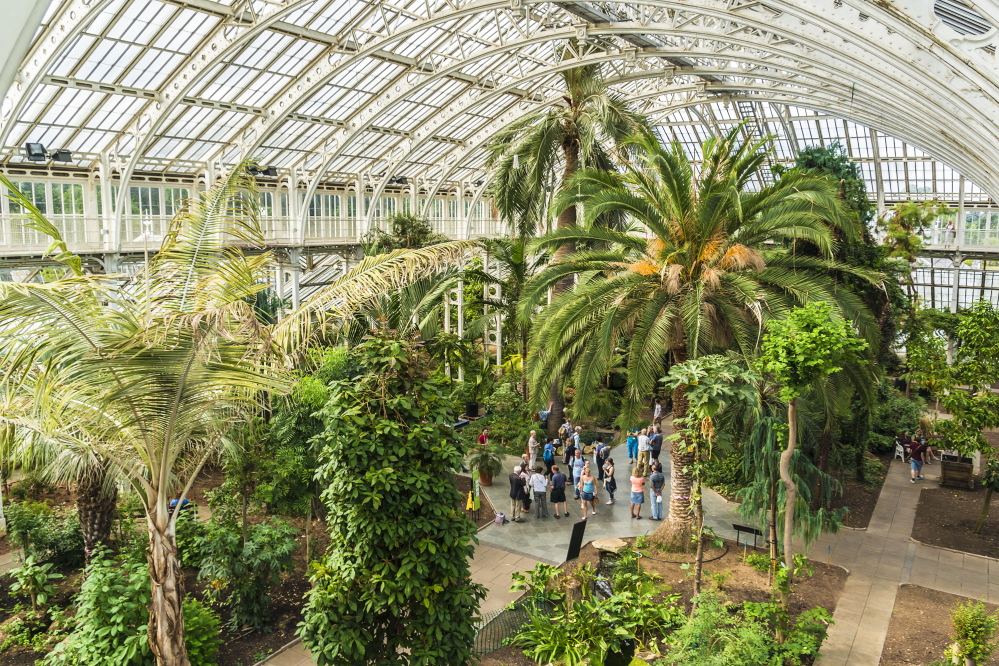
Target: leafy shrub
(36, 581)
(112, 620)
(46, 534)
(725, 474)
(189, 534)
(873, 468)
(974, 630)
(240, 575)
(31, 485)
(715, 637)
(759, 561)
(510, 420)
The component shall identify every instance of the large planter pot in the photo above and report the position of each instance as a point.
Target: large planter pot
(471, 409)
(485, 478)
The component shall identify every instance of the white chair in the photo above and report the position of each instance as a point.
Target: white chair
(900, 452)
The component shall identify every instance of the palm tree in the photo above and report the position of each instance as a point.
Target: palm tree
(153, 373)
(715, 262)
(525, 156)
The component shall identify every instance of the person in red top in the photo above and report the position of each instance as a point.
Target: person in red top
(916, 451)
(484, 437)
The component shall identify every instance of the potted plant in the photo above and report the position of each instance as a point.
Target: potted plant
(488, 460)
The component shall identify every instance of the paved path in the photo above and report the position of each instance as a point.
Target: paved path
(10, 560)
(882, 558)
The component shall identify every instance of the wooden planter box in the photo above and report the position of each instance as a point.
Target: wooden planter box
(957, 473)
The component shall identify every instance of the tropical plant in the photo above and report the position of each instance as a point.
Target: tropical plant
(974, 631)
(811, 343)
(152, 374)
(391, 591)
(36, 580)
(525, 155)
(406, 232)
(45, 533)
(717, 260)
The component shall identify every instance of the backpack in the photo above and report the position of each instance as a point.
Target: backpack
(549, 453)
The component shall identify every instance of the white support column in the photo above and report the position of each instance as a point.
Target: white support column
(960, 222)
(956, 283)
(878, 179)
(279, 282)
(109, 230)
(295, 255)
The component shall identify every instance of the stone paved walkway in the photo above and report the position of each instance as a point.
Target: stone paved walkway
(882, 558)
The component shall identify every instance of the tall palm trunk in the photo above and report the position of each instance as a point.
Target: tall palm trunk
(790, 489)
(166, 622)
(677, 527)
(566, 219)
(95, 506)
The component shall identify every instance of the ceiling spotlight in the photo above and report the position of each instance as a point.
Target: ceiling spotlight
(271, 172)
(255, 170)
(61, 155)
(479, 182)
(36, 152)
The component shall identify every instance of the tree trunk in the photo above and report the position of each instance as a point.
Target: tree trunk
(677, 528)
(699, 559)
(566, 219)
(985, 511)
(166, 620)
(791, 493)
(95, 506)
(772, 531)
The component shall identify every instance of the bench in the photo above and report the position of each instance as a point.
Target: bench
(739, 529)
(958, 472)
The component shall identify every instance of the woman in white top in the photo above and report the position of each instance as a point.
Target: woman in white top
(539, 484)
(644, 452)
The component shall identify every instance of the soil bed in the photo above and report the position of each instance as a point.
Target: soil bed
(507, 656)
(920, 626)
(486, 514)
(861, 497)
(945, 517)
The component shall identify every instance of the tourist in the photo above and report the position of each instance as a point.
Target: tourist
(484, 437)
(516, 495)
(657, 412)
(656, 484)
(569, 454)
(633, 446)
(577, 438)
(644, 451)
(566, 429)
(539, 483)
(916, 452)
(558, 491)
(610, 485)
(587, 487)
(637, 493)
(549, 457)
(600, 451)
(525, 474)
(576, 470)
(655, 444)
(532, 450)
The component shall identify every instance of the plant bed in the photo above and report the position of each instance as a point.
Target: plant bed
(744, 583)
(945, 517)
(486, 511)
(920, 627)
(861, 497)
(507, 656)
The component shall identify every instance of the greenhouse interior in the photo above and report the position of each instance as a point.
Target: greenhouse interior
(314, 315)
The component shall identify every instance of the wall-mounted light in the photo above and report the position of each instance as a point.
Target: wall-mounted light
(36, 153)
(254, 170)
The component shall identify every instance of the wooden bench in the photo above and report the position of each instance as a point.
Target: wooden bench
(957, 472)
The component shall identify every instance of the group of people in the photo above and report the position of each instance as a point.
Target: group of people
(538, 479)
(920, 451)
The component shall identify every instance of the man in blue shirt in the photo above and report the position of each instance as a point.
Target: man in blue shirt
(656, 442)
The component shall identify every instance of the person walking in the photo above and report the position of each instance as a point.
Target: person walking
(633, 446)
(637, 493)
(484, 437)
(569, 454)
(578, 463)
(657, 412)
(599, 455)
(656, 484)
(539, 484)
(525, 475)
(558, 491)
(532, 450)
(655, 443)
(516, 494)
(587, 488)
(644, 452)
(610, 485)
(916, 452)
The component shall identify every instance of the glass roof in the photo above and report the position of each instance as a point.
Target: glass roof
(414, 88)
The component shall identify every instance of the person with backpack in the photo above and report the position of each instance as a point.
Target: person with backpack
(558, 492)
(600, 454)
(548, 455)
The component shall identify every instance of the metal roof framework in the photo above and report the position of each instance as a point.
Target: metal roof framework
(368, 91)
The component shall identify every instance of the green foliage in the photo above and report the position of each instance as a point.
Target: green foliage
(759, 561)
(974, 630)
(810, 343)
(396, 574)
(510, 421)
(586, 630)
(488, 458)
(190, 531)
(905, 223)
(892, 414)
(46, 534)
(36, 581)
(725, 473)
(405, 232)
(834, 160)
(715, 637)
(112, 620)
(241, 576)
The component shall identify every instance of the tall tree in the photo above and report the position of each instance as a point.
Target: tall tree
(394, 587)
(153, 374)
(716, 261)
(525, 157)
